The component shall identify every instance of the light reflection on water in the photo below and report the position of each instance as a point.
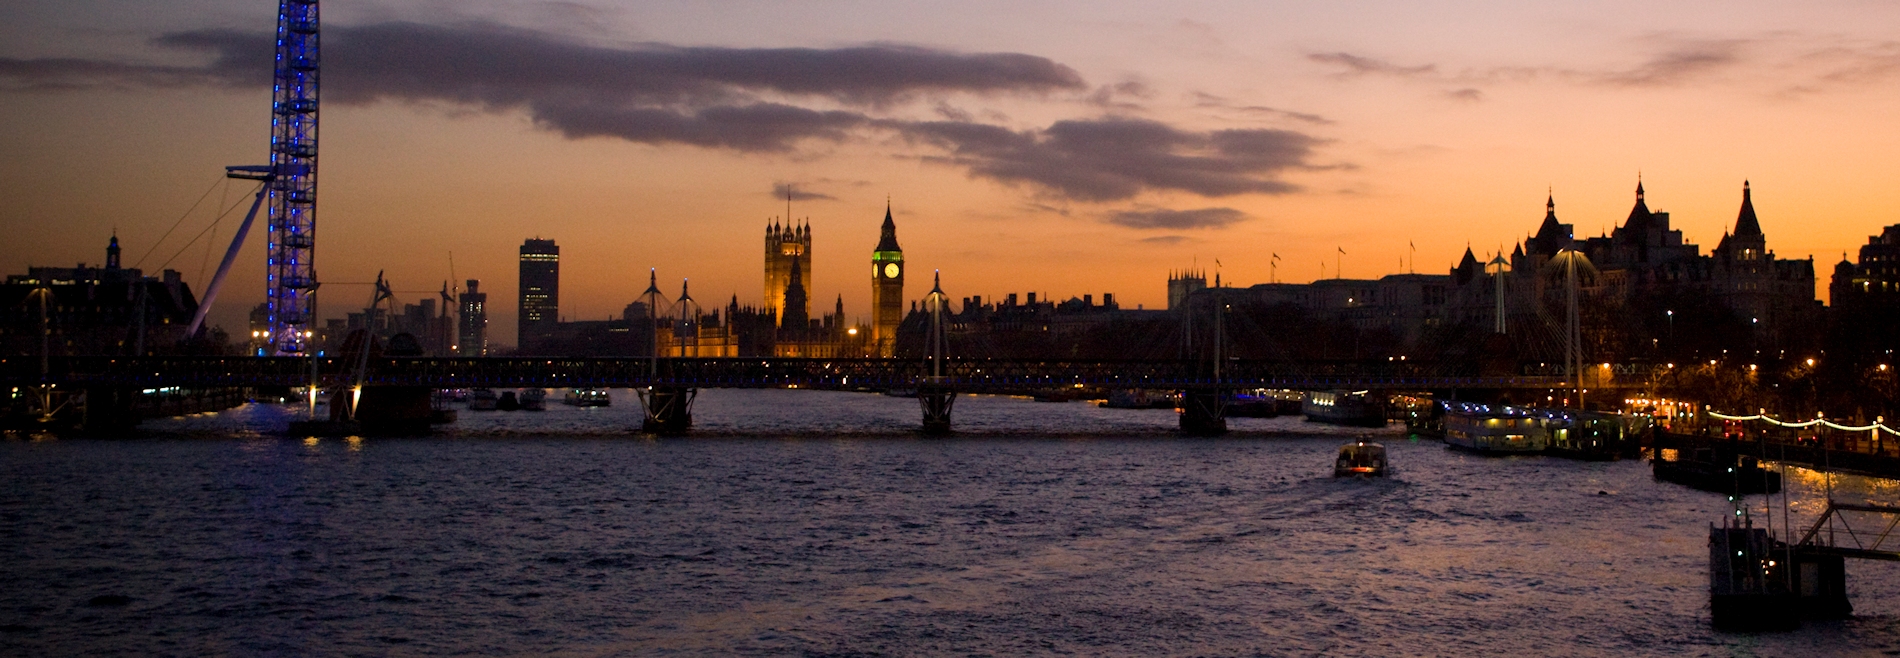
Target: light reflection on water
(821, 523)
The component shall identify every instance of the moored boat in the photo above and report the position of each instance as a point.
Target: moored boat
(1356, 408)
(588, 397)
(534, 399)
(1595, 436)
(1138, 398)
(1714, 469)
(508, 401)
(1483, 430)
(482, 399)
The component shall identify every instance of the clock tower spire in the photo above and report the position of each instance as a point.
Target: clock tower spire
(887, 289)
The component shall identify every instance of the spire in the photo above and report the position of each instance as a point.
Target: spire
(887, 241)
(112, 251)
(1639, 214)
(1745, 223)
(795, 316)
(1552, 236)
(653, 283)
(684, 297)
(936, 282)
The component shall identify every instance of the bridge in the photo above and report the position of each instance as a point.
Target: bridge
(668, 385)
(985, 375)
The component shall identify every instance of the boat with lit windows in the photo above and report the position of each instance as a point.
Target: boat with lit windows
(1361, 459)
(1714, 469)
(587, 397)
(1488, 430)
(1596, 436)
(1356, 408)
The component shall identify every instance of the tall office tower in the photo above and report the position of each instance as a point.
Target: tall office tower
(472, 335)
(540, 293)
(786, 246)
(887, 289)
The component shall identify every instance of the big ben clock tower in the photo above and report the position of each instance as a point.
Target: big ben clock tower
(887, 289)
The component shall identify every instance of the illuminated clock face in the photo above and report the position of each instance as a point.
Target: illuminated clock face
(890, 270)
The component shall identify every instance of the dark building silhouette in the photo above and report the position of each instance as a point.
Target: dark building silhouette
(540, 293)
(101, 311)
(1875, 280)
(887, 288)
(472, 334)
(1184, 283)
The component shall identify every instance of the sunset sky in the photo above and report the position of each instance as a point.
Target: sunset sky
(1064, 148)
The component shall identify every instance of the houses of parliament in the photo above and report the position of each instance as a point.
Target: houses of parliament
(783, 325)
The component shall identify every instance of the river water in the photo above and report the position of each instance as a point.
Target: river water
(818, 524)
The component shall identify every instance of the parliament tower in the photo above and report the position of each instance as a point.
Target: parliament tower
(787, 254)
(887, 289)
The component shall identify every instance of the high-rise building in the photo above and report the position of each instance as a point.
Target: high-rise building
(472, 335)
(887, 289)
(540, 293)
(786, 247)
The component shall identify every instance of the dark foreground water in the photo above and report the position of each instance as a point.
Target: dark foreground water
(806, 523)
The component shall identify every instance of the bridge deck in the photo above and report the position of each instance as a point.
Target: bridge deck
(963, 374)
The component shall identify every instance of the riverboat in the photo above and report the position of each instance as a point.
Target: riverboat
(1356, 408)
(534, 399)
(1425, 418)
(508, 401)
(1506, 431)
(588, 397)
(1710, 469)
(1260, 404)
(1361, 459)
(1596, 436)
(481, 399)
(1137, 398)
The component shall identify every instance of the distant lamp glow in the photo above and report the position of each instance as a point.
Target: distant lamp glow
(853, 331)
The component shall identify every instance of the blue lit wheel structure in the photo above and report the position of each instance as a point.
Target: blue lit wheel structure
(290, 273)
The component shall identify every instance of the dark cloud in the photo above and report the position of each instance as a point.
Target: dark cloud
(1681, 62)
(1677, 61)
(1165, 239)
(750, 100)
(1176, 220)
(1203, 99)
(483, 63)
(1356, 65)
(799, 193)
(57, 74)
(1116, 158)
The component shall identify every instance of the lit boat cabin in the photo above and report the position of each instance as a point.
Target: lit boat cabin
(1360, 459)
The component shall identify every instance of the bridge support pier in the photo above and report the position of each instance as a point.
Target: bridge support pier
(1204, 412)
(669, 409)
(936, 403)
(394, 410)
(110, 410)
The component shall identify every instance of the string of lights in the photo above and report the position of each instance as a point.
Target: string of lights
(1818, 421)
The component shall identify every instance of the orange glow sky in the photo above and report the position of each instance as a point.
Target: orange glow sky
(1439, 124)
